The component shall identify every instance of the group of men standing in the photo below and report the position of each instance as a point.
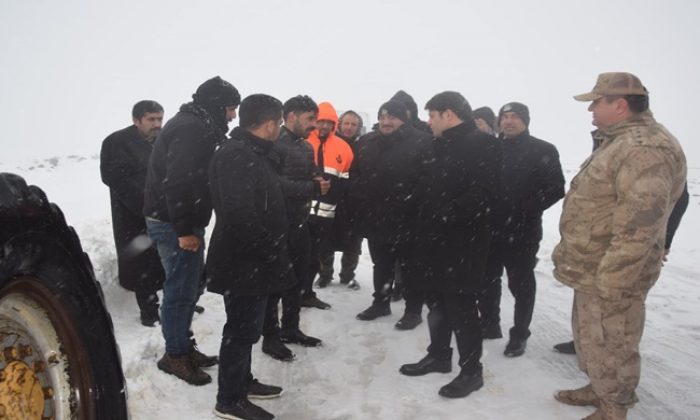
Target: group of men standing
(446, 206)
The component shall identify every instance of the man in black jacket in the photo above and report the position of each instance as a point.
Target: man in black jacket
(123, 162)
(531, 182)
(248, 258)
(177, 209)
(382, 179)
(457, 185)
(301, 182)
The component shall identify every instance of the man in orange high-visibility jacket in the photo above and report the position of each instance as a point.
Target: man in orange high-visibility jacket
(333, 158)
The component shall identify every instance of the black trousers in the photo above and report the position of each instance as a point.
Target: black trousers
(320, 244)
(519, 260)
(244, 321)
(348, 262)
(299, 250)
(455, 313)
(386, 257)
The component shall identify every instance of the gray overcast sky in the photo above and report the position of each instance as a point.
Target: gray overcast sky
(71, 70)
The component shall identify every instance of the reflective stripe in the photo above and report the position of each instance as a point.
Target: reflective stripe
(321, 209)
(323, 213)
(334, 171)
(322, 205)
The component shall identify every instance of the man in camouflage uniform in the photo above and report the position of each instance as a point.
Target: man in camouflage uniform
(613, 226)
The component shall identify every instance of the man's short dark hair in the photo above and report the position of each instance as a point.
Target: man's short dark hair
(454, 101)
(299, 104)
(257, 109)
(636, 103)
(144, 107)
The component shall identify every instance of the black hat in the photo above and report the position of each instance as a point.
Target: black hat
(520, 109)
(394, 108)
(217, 92)
(485, 113)
(407, 100)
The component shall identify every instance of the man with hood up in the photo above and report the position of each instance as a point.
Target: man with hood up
(333, 157)
(407, 100)
(177, 208)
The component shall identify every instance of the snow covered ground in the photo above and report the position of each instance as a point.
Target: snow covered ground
(355, 374)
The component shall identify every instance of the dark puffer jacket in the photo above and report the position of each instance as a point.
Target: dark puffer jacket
(177, 184)
(296, 170)
(455, 191)
(248, 250)
(531, 182)
(382, 178)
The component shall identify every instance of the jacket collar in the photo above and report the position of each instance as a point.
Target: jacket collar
(460, 130)
(645, 118)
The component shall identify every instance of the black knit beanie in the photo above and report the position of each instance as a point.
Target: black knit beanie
(520, 109)
(394, 108)
(216, 92)
(485, 113)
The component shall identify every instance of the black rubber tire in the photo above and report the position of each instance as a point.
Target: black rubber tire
(41, 258)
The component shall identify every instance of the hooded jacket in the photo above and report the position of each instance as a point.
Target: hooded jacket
(614, 217)
(333, 158)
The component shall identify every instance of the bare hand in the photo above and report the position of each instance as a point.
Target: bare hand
(325, 184)
(665, 258)
(189, 243)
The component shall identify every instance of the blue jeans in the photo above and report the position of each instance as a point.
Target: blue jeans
(244, 323)
(184, 271)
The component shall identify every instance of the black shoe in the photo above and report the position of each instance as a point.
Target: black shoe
(408, 321)
(273, 347)
(566, 348)
(295, 336)
(462, 385)
(374, 312)
(243, 410)
(396, 294)
(515, 347)
(353, 284)
(491, 332)
(314, 302)
(260, 391)
(426, 365)
(323, 282)
(199, 309)
(149, 317)
(200, 359)
(183, 368)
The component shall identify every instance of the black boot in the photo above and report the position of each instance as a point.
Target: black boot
(260, 391)
(273, 347)
(200, 359)
(408, 321)
(295, 336)
(374, 312)
(242, 409)
(463, 385)
(312, 301)
(149, 316)
(428, 364)
(515, 347)
(566, 348)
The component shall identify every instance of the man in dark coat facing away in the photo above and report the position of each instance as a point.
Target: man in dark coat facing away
(123, 163)
(177, 208)
(457, 185)
(248, 258)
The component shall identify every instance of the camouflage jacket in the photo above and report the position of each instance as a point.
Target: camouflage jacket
(613, 221)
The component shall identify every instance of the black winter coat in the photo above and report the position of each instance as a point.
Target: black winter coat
(296, 171)
(248, 248)
(531, 182)
(383, 177)
(123, 161)
(456, 188)
(177, 184)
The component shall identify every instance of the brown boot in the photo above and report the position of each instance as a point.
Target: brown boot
(580, 397)
(183, 368)
(608, 412)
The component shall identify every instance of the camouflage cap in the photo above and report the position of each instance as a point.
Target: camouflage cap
(614, 84)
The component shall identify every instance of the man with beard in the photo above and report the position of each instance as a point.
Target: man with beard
(613, 228)
(458, 183)
(332, 157)
(177, 209)
(123, 162)
(383, 177)
(531, 182)
(344, 239)
(248, 259)
(300, 183)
